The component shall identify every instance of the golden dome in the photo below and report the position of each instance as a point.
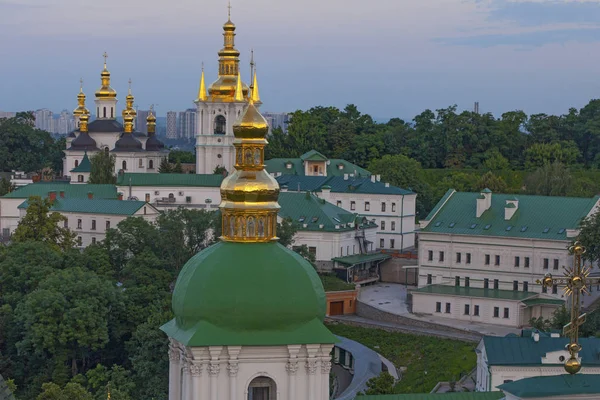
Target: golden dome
(105, 90)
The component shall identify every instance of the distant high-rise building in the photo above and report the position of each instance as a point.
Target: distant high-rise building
(44, 120)
(277, 120)
(140, 124)
(187, 124)
(171, 125)
(7, 114)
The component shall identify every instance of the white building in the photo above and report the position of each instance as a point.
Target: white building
(480, 255)
(502, 360)
(90, 218)
(217, 110)
(10, 214)
(134, 150)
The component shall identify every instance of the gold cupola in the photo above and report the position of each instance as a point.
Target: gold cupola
(249, 195)
(80, 110)
(105, 90)
(224, 88)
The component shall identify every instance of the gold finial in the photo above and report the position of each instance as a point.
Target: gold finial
(239, 91)
(575, 283)
(202, 90)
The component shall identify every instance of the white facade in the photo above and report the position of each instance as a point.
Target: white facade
(292, 372)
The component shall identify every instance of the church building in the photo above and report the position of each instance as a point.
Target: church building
(220, 107)
(135, 151)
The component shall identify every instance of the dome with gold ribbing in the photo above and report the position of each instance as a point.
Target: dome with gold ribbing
(105, 90)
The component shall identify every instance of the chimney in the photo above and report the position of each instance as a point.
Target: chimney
(90, 195)
(373, 178)
(484, 201)
(345, 177)
(52, 196)
(62, 194)
(120, 196)
(511, 207)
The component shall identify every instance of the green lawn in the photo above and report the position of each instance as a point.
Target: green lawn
(332, 283)
(429, 360)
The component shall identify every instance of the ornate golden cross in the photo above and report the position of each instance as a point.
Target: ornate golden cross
(575, 282)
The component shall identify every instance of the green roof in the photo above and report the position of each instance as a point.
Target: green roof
(558, 385)
(95, 206)
(436, 396)
(538, 301)
(335, 166)
(526, 351)
(84, 166)
(537, 217)
(306, 208)
(361, 258)
(338, 184)
(177, 180)
(462, 291)
(74, 190)
(248, 294)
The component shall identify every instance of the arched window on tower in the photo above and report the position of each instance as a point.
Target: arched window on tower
(262, 388)
(104, 112)
(220, 123)
(124, 165)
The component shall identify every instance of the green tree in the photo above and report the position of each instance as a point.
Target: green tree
(103, 168)
(549, 180)
(165, 167)
(41, 225)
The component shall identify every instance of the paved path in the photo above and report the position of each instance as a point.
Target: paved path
(369, 323)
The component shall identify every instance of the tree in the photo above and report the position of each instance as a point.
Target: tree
(165, 167)
(103, 168)
(549, 180)
(40, 225)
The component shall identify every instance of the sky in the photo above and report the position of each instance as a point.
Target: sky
(392, 58)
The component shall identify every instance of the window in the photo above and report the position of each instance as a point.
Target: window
(429, 279)
(457, 281)
(468, 258)
(546, 263)
(496, 284)
(124, 165)
(555, 263)
(496, 312)
(393, 225)
(220, 123)
(79, 241)
(497, 261)
(487, 259)
(486, 283)
(93, 224)
(467, 309)
(438, 307)
(393, 207)
(441, 256)
(467, 282)
(339, 203)
(505, 312)
(458, 258)
(525, 286)
(107, 225)
(352, 205)
(515, 285)
(367, 206)
(93, 240)
(392, 243)
(381, 243)
(430, 255)
(447, 308)
(382, 207)
(383, 225)
(554, 289)
(526, 262)
(517, 262)
(150, 164)
(79, 224)
(476, 310)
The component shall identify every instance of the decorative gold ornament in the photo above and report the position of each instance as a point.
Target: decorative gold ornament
(575, 283)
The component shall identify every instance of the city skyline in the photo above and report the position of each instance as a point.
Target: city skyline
(389, 60)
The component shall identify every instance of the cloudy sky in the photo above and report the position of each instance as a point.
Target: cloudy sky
(389, 57)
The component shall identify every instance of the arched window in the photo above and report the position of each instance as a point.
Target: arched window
(220, 125)
(124, 165)
(150, 164)
(76, 163)
(104, 112)
(262, 388)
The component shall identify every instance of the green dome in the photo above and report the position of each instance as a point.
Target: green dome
(248, 294)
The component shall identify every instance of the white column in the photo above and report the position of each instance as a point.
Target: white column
(174, 374)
